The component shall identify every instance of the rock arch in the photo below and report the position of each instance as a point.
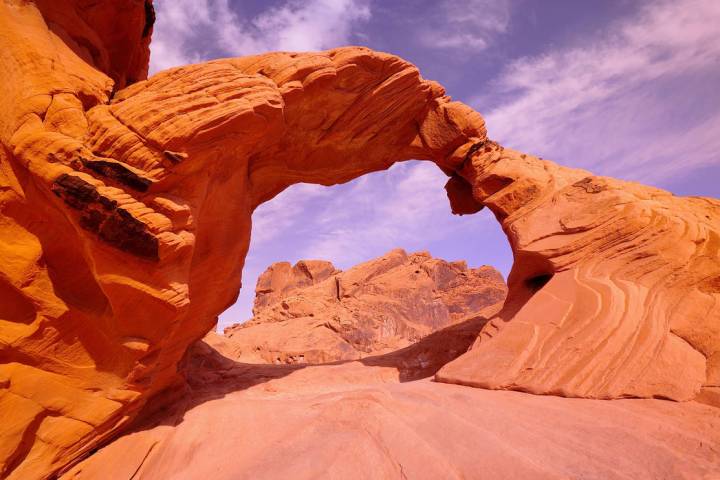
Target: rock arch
(125, 218)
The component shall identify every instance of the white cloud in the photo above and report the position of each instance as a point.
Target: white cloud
(625, 103)
(469, 25)
(406, 206)
(278, 216)
(311, 25)
(194, 30)
(176, 26)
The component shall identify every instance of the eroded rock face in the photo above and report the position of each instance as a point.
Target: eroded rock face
(614, 289)
(125, 216)
(126, 213)
(314, 313)
(281, 279)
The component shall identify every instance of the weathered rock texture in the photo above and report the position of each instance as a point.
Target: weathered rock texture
(313, 313)
(356, 421)
(614, 291)
(125, 217)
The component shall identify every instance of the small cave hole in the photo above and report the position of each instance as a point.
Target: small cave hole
(536, 282)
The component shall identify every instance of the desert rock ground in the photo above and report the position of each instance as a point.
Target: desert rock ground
(363, 420)
(125, 216)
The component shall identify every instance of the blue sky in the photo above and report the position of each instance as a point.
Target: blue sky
(620, 87)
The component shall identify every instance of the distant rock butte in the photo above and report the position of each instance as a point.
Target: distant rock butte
(313, 313)
(125, 218)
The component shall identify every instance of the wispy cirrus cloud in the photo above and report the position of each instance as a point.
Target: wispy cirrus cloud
(284, 212)
(378, 212)
(311, 25)
(350, 223)
(639, 101)
(468, 25)
(190, 31)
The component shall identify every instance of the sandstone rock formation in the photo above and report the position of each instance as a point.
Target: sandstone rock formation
(313, 313)
(125, 215)
(614, 290)
(357, 421)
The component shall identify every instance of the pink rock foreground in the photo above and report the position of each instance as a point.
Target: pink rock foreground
(356, 421)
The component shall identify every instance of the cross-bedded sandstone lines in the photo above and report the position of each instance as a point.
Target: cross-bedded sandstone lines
(125, 214)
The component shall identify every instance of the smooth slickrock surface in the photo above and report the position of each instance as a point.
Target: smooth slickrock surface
(125, 216)
(356, 421)
(615, 287)
(313, 313)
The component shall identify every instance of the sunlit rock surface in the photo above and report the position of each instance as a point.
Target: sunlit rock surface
(125, 215)
(356, 420)
(313, 313)
(614, 291)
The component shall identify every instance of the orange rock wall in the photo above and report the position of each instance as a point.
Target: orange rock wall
(126, 212)
(614, 290)
(125, 218)
(313, 313)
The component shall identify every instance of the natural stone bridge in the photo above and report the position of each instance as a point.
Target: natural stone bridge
(125, 217)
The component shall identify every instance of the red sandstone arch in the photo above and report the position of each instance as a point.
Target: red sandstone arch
(125, 217)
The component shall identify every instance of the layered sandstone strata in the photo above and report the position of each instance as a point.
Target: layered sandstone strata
(614, 290)
(360, 420)
(313, 313)
(125, 215)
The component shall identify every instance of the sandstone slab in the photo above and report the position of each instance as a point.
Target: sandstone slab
(357, 421)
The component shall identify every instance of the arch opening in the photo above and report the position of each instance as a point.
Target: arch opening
(353, 225)
(364, 219)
